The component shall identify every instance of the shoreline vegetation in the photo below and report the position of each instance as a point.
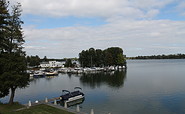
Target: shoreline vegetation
(112, 56)
(170, 56)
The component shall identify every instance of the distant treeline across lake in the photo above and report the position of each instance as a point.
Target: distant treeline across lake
(171, 56)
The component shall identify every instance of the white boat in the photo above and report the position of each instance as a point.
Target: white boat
(51, 73)
(38, 74)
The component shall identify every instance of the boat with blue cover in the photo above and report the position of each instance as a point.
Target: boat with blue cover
(68, 96)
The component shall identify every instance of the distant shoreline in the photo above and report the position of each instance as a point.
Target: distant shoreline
(155, 59)
(171, 56)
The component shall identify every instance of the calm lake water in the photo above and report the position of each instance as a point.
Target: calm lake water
(147, 87)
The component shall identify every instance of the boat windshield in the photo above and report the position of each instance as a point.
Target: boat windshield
(65, 92)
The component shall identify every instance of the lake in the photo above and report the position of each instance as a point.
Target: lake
(146, 87)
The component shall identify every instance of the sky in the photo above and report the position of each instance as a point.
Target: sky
(63, 28)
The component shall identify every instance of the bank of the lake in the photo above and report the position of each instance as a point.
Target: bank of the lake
(38, 109)
(147, 86)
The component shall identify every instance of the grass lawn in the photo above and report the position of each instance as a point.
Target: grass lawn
(39, 109)
(7, 109)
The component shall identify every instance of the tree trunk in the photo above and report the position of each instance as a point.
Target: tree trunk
(12, 95)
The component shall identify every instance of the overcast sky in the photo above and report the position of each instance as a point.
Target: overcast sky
(63, 28)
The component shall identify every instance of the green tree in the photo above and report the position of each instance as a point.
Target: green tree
(45, 59)
(14, 73)
(114, 56)
(120, 60)
(83, 58)
(108, 57)
(34, 61)
(4, 23)
(68, 63)
(99, 58)
(13, 63)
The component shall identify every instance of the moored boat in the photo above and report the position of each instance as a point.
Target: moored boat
(38, 74)
(68, 96)
(51, 73)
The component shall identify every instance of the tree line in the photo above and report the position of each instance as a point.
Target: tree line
(99, 58)
(171, 56)
(12, 57)
(34, 61)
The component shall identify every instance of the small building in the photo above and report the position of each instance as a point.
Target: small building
(51, 64)
(44, 64)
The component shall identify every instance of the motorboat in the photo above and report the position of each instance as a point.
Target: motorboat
(51, 73)
(68, 96)
(38, 74)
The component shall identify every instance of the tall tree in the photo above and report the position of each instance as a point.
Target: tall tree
(68, 63)
(34, 61)
(13, 63)
(45, 59)
(4, 19)
(4, 23)
(114, 56)
(99, 58)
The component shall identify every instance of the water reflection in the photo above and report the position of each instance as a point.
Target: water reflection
(113, 79)
(49, 78)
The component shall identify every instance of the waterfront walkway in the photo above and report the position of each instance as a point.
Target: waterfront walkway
(51, 102)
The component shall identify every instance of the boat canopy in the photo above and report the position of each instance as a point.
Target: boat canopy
(78, 88)
(66, 91)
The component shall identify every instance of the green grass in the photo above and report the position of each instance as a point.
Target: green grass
(39, 109)
(8, 109)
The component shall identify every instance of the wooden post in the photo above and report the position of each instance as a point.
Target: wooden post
(77, 108)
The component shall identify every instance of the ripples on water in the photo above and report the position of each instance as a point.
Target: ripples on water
(146, 87)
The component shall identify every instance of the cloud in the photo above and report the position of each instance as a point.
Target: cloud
(181, 8)
(150, 37)
(129, 24)
(107, 9)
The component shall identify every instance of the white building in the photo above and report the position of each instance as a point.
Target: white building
(44, 65)
(52, 64)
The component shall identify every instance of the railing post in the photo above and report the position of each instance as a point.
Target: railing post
(65, 104)
(55, 102)
(92, 111)
(46, 100)
(29, 103)
(77, 108)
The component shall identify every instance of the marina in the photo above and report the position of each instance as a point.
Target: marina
(42, 72)
(147, 86)
(102, 57)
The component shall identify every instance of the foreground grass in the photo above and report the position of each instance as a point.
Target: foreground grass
(39, 109)
(8, 109)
